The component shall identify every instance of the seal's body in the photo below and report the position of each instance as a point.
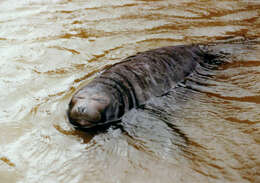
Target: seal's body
(131, 83)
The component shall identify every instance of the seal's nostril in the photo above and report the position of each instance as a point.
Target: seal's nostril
(80, 109)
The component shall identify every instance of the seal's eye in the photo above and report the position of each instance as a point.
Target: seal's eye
(101, 100)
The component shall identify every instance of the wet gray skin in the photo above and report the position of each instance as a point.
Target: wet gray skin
(88, 106)
(132, 82)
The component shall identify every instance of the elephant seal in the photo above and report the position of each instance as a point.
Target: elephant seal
(130, 83)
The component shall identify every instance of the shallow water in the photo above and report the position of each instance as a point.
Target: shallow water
(208, 132)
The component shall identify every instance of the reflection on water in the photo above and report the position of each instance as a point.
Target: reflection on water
(49, 49)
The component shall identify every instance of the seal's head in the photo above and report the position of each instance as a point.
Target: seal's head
(87, 108)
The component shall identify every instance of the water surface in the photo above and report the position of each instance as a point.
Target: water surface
(208, 132)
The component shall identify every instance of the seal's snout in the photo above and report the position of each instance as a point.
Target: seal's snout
(84, 114)
(86, 110)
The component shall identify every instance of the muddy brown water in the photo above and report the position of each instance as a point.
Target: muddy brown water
(51, 48)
